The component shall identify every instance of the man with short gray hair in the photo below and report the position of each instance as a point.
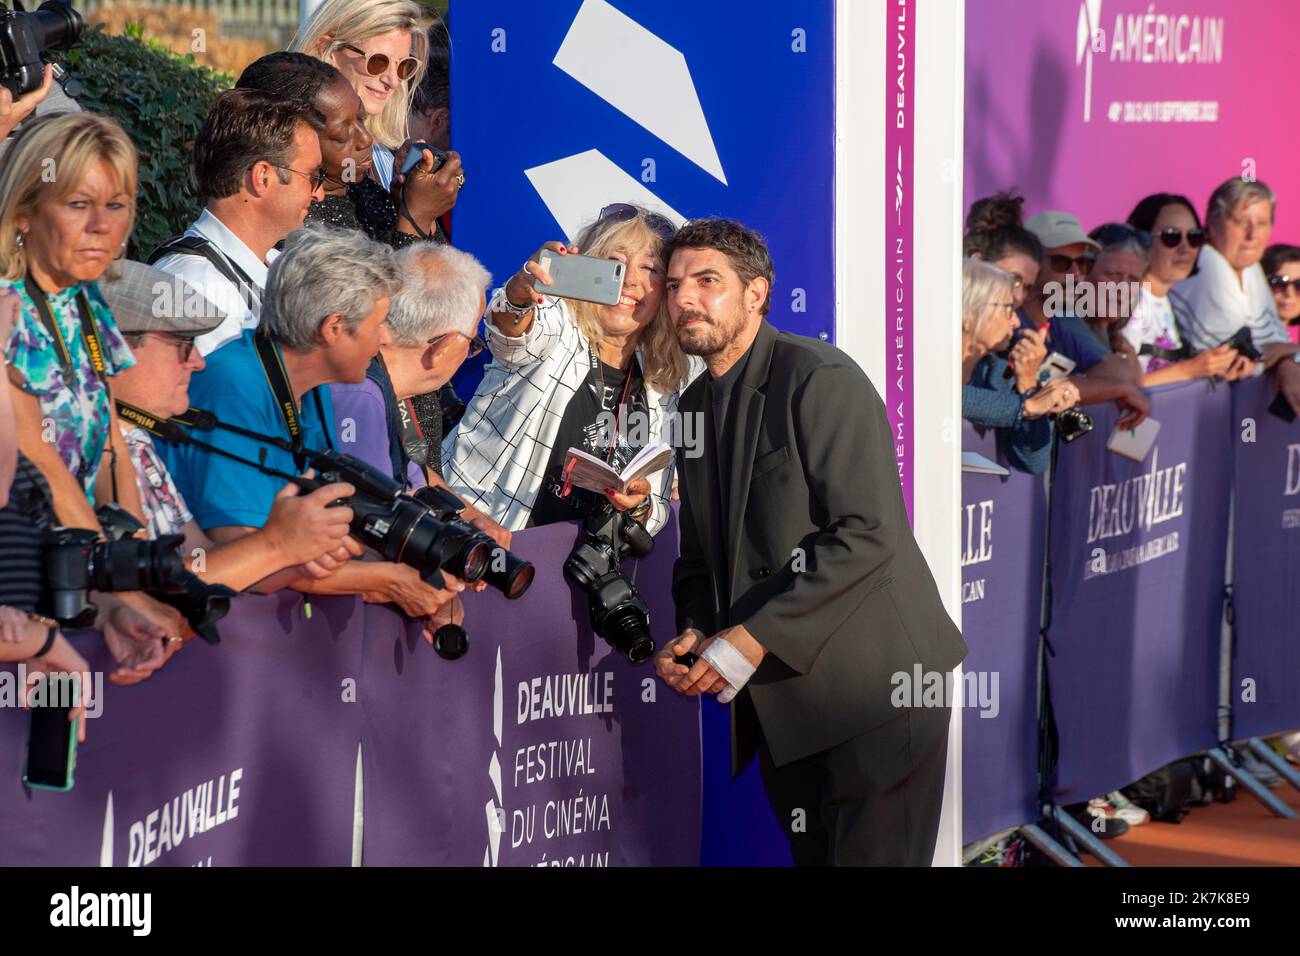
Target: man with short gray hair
(1230, 292)
(323, 319)
(433, 323)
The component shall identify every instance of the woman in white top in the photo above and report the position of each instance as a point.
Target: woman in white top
(1152, 328)
(566, 373)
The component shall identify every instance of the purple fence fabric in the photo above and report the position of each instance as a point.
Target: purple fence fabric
(246, 753)
(542, 746)
(239, 754)
(1137, 565)
(1003, 525)
(1266, 566)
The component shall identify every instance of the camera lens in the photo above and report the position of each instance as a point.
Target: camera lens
(514, 580)
(628, 630)
(59, 25)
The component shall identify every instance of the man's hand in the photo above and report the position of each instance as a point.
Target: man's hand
(669, 671)
(477, 519)
(135, 641)
(405, 588)
(1027, 357)
(453, 612)
(1242, 367)
(1134, 408)
(305, 529)
(1288, 383)
(13, 112)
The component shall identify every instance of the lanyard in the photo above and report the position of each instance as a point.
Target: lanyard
(89, 334)
(278, 379)
(94, 349)
(618, 411)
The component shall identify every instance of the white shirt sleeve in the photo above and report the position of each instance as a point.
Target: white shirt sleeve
(217, 289)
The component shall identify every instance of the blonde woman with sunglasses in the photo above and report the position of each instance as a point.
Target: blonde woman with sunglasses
(381, 47)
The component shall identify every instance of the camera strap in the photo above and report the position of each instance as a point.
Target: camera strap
(400, 421)
(278, 379)
(94, 350)
(230, 270)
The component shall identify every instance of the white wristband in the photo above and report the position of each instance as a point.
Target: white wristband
(731, 665)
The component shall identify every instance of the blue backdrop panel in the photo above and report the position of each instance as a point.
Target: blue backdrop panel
(763, 77)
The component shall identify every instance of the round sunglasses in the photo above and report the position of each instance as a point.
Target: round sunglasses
(377, 63)
(1172, 238)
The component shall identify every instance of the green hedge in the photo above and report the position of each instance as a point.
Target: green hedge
(161, 100)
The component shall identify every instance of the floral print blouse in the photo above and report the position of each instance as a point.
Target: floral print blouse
(75, 409)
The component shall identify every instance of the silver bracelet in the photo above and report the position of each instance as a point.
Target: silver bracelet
(503, 300)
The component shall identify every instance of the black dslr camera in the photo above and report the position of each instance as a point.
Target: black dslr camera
(397, 526)
(618, 612)
(24, 37)
(507, 573)
(1073, 423)
(76, 562)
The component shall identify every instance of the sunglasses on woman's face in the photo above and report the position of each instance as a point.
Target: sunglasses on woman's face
(377, 63)
(1172, 238)
(1281, 283)
(623, 212)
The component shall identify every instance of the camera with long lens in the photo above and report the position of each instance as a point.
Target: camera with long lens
(1073, 423)
(508, 573)
(24, 37)
(398, 527)
(618, 612)
(76, 562)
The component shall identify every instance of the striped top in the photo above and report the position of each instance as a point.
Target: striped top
(23, 522)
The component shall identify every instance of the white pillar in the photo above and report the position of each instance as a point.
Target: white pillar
(867, 47)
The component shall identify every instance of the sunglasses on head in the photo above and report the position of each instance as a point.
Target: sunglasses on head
(377, 63)
(623, 212)
(1172, 238)
(1113, 233)
(1279, 283)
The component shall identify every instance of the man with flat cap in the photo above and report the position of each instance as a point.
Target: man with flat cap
(160, 315)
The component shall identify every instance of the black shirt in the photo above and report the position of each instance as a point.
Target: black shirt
(23, 523)
(721, 390)
(602, 392)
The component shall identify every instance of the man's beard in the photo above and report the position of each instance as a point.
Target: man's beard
(707, 338)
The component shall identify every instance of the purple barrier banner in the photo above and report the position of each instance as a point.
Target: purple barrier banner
(1137, 568)
(243, 753)
(1004, 521)
(1266, 565)
(542, 746)
(1051, 85)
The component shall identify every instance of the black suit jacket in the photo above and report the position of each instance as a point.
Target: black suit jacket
(819, 561)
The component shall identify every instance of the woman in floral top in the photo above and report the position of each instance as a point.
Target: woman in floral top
(59, 233)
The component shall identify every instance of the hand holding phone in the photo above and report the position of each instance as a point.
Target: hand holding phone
(416, 153)
(585, 278)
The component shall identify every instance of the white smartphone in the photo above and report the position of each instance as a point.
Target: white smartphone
(582, 277)
(1134, 443)
(1056, 367)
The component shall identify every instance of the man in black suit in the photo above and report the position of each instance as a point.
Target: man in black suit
(799, 584)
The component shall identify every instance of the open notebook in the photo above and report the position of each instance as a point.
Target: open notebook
(587, 471)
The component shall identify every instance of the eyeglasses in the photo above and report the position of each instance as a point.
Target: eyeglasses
(316, 176)
(377, 63)
(1113, 233)
(1062, 264)
(661, 226)
(1172, 238)
(184, 343)
(476, 344)
(1279, 283)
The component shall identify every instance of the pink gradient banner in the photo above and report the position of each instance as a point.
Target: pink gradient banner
(899, 252)
(1089, 105)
